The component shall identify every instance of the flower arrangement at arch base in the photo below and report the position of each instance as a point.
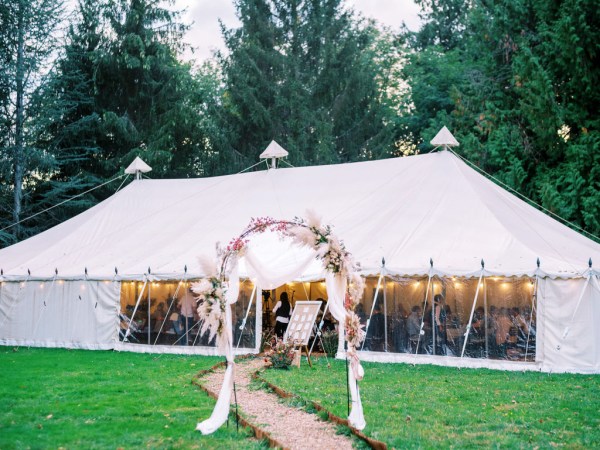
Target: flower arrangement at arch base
(281, 355)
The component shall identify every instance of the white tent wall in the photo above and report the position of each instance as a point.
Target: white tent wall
(406, 210)
(569, 333)
(70, 314)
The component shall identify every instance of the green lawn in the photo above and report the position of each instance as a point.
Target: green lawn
(409, 406)
(51, 398)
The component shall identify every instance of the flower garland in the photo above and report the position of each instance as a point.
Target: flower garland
(329, 249)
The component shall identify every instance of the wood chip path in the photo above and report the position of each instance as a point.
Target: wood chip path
(291, 427)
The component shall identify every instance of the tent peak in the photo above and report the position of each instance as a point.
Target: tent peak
(444, 139)
(137, 167)
(274, 151)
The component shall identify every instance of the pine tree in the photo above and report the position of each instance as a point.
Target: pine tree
(307, 74)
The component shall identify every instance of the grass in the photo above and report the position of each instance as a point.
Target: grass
(53, 398)
(425, 406)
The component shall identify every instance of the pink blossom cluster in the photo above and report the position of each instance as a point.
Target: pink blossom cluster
(236, 245)
(260, 224)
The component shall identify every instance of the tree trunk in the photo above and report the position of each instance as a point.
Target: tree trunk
(18, 157)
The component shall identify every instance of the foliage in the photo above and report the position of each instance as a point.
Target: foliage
(117, 90)
(307, 74)
(514, 81)
(51, 398)
(281, 353)
(330, 342)
(425, 406)
(27, 41)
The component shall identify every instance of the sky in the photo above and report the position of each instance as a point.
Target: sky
(204, 16)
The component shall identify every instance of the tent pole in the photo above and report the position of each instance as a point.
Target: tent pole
(485, 319)
(243, 326)
(149, 323)
(385, 316)
(433, 324)
(372, 309)
(170, 306)
(423, 313)
(137, 303)
(319, 331)
(467, 332)
(533, 301)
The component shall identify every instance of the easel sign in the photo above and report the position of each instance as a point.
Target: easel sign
(301, 323)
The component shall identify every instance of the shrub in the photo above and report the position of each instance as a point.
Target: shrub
(330, 343)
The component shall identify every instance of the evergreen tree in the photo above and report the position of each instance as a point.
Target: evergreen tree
(516, 87)
(307, 74)
(27, 40)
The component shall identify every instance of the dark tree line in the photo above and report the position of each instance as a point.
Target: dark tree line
(514, 80)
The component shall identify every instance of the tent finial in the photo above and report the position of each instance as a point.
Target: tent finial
(1, 272)
(138, 167)
(116, 271)
(275, 152)
(86, 271)
(590, 262)
(482, 264)
(185, 268)
(431, 262)
(56, 270)
(382, 262)
(538, 262)
(444, 139)
(149, 271)
(28, 272)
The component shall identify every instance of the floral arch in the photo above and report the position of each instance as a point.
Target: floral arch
(219, 290)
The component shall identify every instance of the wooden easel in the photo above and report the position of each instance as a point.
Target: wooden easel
(304, 348)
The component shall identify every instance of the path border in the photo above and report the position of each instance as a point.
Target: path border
(373, 443)
(258, 433)
(264, 435)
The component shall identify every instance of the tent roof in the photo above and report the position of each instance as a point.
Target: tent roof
(406, 210)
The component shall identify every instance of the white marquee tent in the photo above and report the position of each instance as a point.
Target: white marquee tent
(62, 287)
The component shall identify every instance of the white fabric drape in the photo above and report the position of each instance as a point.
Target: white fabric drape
(221, 411)
(356, 417)
(336, 293)
(272, 273)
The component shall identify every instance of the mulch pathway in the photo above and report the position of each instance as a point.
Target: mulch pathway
(292, 428)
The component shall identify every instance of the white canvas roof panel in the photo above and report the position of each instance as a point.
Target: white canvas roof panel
(406, 210)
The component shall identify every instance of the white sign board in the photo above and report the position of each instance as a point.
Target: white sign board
(301, 323)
